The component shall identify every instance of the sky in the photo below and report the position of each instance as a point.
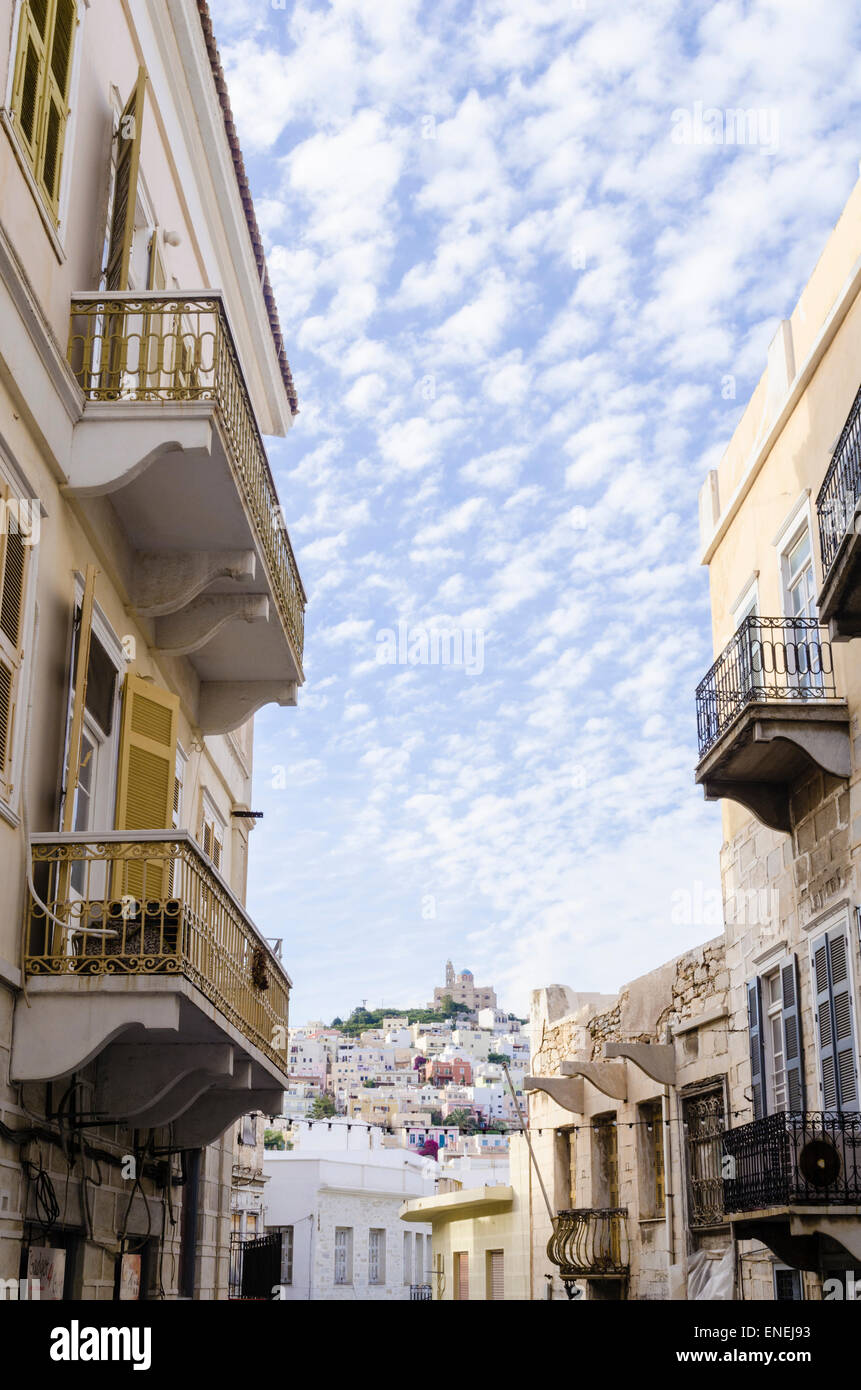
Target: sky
(527, 270)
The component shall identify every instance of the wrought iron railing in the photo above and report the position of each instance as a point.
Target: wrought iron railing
(590, 1242)
(841, 488)
(804, 1157)
(161, 347)
(255, 1266)
(704, 1131)
(421, 1293)
(766, 659)
(152, 903)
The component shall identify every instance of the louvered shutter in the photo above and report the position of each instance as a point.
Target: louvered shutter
(27, 90)
(835, 1021)
(791, 1021)
(496, 1272)
(56, 99)
(844, 1022)
(757, 1051)
(13, 565)
(147, 771)
(125, 188)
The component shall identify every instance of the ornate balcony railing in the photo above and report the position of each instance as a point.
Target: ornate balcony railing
(161, 347)
(148, 904)
(802, 1158)
(841, 488)
(590, 1242)
(766, 659)
(421, 1293)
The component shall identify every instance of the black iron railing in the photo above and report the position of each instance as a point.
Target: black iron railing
(805, 1158)
(420, 1293)
(255, 1266)
(704, 1131)
(766, 659)
(590, 1242)
(841, 490)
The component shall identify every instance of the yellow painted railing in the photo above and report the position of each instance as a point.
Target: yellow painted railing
(160, 347)
(153, 905)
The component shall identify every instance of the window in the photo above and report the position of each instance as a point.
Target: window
(178, 785)
(408, 1250)
(287, 1255)
(40, 95)
(605, 1162)
(787, 1285)
(212, 829)
(343, 1254)
(420, 1259)
(376, 1257)
(14, 563)
(496, 1274)
(704, 1122)
(798, 578)
(650, 1142)
(461, 1276)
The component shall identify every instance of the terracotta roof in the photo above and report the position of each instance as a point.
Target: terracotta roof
(247, 201)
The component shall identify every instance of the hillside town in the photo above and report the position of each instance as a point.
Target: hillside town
(612, 758)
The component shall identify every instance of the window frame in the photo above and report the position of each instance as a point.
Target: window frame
(23, 663)
(347, 1233)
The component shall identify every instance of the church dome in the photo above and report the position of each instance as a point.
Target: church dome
(466, 974)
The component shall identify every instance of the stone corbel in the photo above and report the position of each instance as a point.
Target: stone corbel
(609, 1077)
(165, 581)
(134, 1078)
(565, 1091)
(117, 441)
(224, 705)
(657, 1060)
(769, 801)
(209, 1117)
(197, 623)
(827, 745)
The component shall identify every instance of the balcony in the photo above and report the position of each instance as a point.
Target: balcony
(837, 507)
(767, 711)
(146, 964)
(793, 1181)
(590, 1243)
(168, 464)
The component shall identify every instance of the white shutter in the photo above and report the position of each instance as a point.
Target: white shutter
(835, 1020)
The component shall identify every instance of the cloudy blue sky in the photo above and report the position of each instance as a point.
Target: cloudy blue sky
(510, 298)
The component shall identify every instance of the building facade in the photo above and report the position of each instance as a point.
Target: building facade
(150, 605)
(462, 989)
(778, 743)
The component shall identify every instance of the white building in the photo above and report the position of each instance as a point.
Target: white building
(336, 1197)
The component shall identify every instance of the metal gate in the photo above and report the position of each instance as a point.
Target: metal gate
(255, 1266)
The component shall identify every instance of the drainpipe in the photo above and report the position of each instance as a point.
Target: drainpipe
(669, 1103)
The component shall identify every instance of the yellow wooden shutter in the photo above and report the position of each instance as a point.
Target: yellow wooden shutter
(125, 188)
(40, 93)
(147, 770)
(56, 100)
(29, 72)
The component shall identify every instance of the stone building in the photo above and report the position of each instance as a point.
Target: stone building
(150, 604)
(779, 745)
(628, 1104)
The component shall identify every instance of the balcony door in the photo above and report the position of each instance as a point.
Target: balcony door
(803, 649)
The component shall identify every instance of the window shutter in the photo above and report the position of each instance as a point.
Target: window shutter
(57, 73)
(13, 562)
(791, 1019)
(125, 188)
(844, 1023)
(497, 1274)
(147, 771)
(836, 1025)
(757, 1051)
(26, 96)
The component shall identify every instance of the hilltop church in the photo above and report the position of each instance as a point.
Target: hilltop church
(463, 990)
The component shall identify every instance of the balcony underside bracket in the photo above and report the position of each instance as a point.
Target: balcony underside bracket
(609, 1077)
(827, 745)
(814, 1243)
(59, 1014)
(657, 1060)
(116, 442)
(224, 705)
(565, 1091)
(197, 623)
(769, 801)
(166, 581)
(209, 1117)
(138, 1079)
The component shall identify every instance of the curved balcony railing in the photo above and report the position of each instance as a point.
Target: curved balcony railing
(174, 347)
(841, 488)
(766, 659)
(590, 1242)
(806, 1157)
(152, 903)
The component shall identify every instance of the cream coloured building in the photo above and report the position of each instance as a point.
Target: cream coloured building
(149, 605)
(779, 745)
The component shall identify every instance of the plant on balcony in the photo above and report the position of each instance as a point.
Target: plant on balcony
(259, 974)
